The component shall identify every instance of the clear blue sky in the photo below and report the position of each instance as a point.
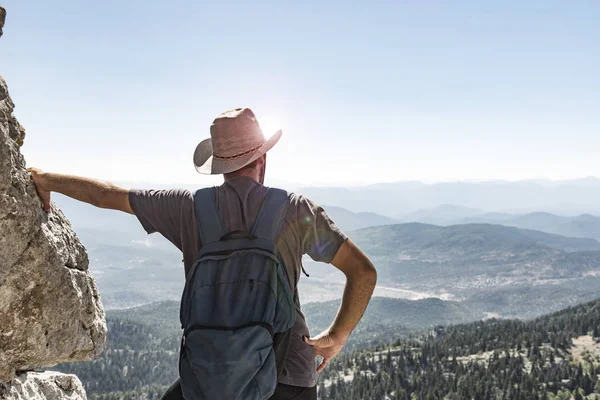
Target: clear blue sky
(383, 91)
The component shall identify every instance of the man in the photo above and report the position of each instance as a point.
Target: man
(237, 149)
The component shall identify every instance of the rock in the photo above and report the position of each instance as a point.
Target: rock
(50, 310)
(2, 18)
(43, 386)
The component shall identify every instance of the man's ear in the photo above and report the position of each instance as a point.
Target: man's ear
(262, 160)
(262, 167)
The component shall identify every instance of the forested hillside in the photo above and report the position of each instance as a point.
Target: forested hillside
(493, 359)
(553, 357)
(141, 354)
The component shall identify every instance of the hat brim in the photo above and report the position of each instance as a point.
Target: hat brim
(206, 164)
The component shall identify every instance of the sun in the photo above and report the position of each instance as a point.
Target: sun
(270, 124)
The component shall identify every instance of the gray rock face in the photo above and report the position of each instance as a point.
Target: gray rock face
(43, 386)
(50, 310)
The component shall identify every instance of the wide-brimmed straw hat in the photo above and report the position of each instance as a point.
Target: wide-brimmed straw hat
(236, 140)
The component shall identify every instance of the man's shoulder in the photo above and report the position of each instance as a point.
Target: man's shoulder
(300, 199)
(295, 199)
(300, 207)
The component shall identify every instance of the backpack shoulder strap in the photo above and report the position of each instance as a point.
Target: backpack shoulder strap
(271, 215)
(207, 216)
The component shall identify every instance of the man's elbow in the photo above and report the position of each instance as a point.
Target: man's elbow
(355, 264)
(366, 274)
(369, 274)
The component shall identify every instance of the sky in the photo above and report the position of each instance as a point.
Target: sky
(370, 92)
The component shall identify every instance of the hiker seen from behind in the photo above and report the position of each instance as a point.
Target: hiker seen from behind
(245, 336)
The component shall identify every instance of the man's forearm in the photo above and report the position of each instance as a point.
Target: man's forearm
(92, 191)
(361, 278)
(357, 293)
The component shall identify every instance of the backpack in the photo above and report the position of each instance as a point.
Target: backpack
(237, 307)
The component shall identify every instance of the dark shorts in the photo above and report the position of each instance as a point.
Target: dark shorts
(283, 392)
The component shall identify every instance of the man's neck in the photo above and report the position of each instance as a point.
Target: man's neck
(253, 174)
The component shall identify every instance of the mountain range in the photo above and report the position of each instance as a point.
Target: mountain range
(351, 221)
(495, 269)
(583, 225)
(399, 199)
(473, 265)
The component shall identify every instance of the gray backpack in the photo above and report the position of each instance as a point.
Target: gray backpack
(237, 308)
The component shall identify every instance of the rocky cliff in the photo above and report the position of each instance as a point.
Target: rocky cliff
(50, 310)
(2, 17)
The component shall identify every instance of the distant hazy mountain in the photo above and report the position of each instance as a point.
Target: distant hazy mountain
(402, 198)
(585, 225)
(350, 221)
(445, 214)
(520, 269)
(85, 216)
(463, 240)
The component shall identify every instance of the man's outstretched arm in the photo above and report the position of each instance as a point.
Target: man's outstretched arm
(98, 193)
(361, 278)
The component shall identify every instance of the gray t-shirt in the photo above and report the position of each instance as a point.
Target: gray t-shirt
(306, 230)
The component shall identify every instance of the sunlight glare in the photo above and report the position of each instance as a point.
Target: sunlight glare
(269, 124)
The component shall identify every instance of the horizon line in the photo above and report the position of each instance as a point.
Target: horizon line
(359, 184)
